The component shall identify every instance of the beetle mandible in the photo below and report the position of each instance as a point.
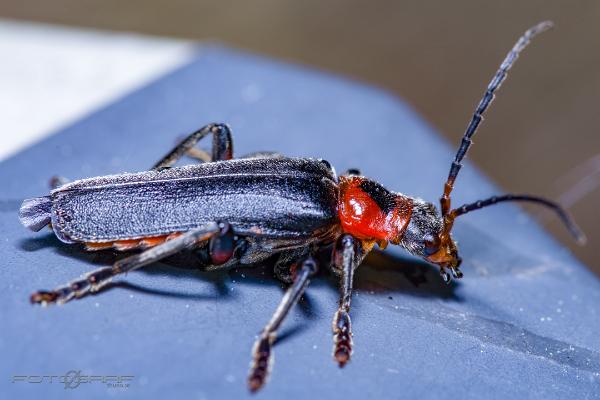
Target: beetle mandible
(243, 211)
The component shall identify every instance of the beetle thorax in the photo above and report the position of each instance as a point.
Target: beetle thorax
(369, 211)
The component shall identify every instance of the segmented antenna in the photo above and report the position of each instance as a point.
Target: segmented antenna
(485, 102)
(561, 212)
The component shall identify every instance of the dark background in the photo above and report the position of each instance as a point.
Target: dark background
(541, 134)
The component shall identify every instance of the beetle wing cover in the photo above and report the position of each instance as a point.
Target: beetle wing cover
(35, 213)
(284, 197)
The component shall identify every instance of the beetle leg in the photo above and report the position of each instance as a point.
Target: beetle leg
(285, 265)
(204, 156)
(222, 146)
(222, 247)
(348, 254)
(199, 154)
(95, 280)
(263, 154)
(261, 353)
(352, 172)
(57, 181)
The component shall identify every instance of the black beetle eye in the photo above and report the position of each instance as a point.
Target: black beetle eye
(326, 163)
(431, 245)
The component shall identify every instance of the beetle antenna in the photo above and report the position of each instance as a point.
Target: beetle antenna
(487, 99)
(561, 212)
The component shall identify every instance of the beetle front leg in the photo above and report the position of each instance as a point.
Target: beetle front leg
(95, 280)
(262, 355)
(222, 146)
(348, 254)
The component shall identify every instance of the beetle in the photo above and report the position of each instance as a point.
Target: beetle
(243, 211)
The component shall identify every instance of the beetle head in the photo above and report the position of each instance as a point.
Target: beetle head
(426, 237)
(442, 250)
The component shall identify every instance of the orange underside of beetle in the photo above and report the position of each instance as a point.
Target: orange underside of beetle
(124, 245)
(362, 217)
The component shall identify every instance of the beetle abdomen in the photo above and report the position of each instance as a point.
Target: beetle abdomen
(280, 198)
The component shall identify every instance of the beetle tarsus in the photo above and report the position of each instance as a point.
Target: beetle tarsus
(456, 273)
(342, 337)
(91, 282)
(445, 275)
(43, 297)
(262, 362)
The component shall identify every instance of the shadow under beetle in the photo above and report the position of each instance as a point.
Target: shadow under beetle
(242, 211)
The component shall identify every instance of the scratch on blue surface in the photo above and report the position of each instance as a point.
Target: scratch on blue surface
(507, 335)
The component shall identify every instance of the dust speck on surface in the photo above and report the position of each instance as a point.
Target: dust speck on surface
(252, 93)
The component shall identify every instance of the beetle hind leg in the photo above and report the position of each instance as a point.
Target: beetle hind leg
(57, 181)
(97, 279)
(262, 351)
(222, 146)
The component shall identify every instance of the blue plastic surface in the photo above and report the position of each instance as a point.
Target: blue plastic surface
(523, 323)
